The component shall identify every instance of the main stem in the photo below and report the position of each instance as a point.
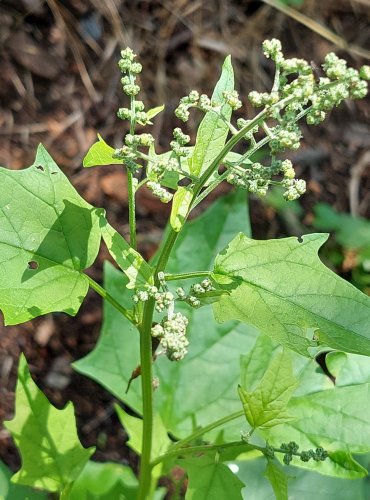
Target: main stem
(147, 396)
(131, 208)
(145, 329)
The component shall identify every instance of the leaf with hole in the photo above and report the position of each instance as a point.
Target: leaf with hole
(283, 289)
(48, 236)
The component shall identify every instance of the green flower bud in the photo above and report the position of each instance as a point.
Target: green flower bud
(131, 89)
(365, 72)
(272, 48)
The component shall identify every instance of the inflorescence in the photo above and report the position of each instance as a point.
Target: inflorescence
(171, 330)
(291, 449)
(296, 93)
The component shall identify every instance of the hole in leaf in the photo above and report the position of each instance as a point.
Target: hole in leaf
(33, 264)
(53, 173)
(40, 167)
(300, 239)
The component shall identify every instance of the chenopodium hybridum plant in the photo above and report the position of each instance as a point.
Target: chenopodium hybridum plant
(224, 400)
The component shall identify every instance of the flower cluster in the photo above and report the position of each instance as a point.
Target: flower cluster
(159, 191)
(180, 139)
(288, 102)
(196, 291)
(297, 92)
(204, 103)
(257, 178)
(187, 102)
(171, 332)
(291, 448)
(163, 300)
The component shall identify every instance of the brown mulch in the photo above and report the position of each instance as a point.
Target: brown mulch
(59, 85)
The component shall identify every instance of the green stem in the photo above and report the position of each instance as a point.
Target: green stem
(106, 296)
(141, 183)
(145, 479)
(186, 276)
(191, 450)
(146, 360)
(130, 177)
(131, 208)
(203, 430)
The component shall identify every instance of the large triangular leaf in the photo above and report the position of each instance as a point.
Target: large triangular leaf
(48, 236)
(105, 481)
(210, 479)
(331, 416)
(52, 455)
(302, 485)
(278, 479)
(266, 405)
(282, 288)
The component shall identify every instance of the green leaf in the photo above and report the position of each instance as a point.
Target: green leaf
(129, 260)
(213, 131)
(100, 153)
(49, 235)
(134, 428)
(279, 481)
(335, 419)
(351, 232)
(180, 207)
(151, 113)
(10, 491)
(303, 484)
(282, 288)
(214, 348)
(105, 481)
(345, 460)
(52, 455)
(266, 405)
(353, 373)
(254, 364)
(211, 480)
(348, 369)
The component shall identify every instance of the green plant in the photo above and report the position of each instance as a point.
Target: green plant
(276, 305)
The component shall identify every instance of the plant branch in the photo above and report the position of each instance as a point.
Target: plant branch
(106, 296)
(130, 178)
(147, 397)
(191, 450)
(203, 430)
(185, 276)
(146, 374)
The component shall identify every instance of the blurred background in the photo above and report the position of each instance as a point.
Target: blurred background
(60, 85)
